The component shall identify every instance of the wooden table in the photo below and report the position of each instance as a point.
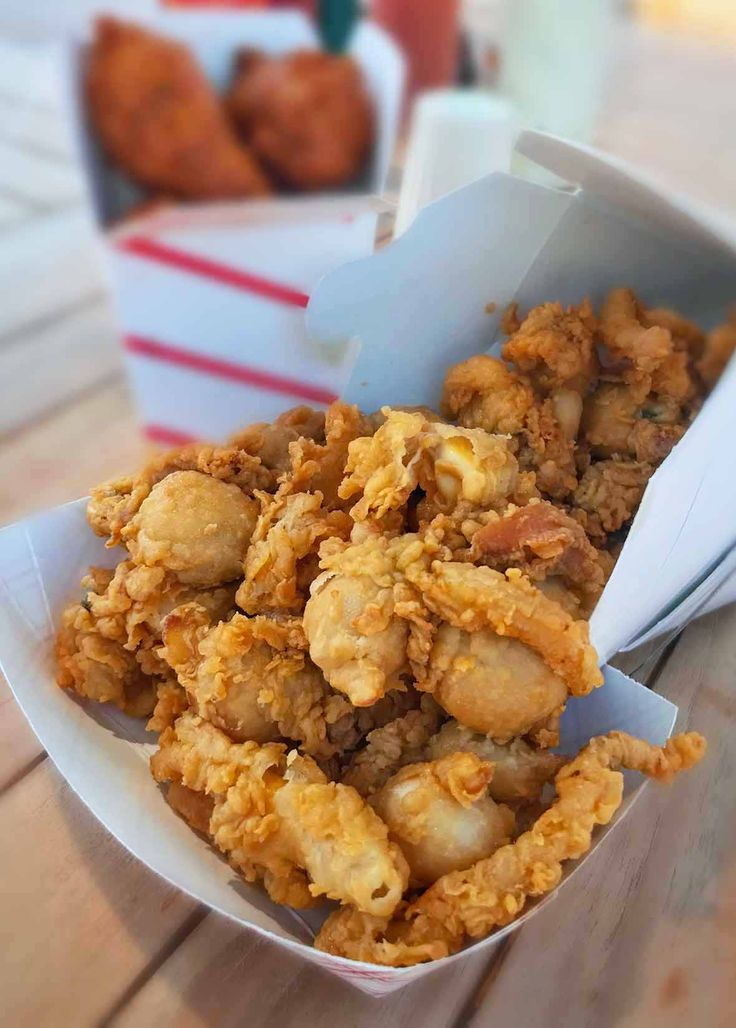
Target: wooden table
(644, 937)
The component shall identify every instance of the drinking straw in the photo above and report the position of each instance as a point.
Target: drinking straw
(335, 19)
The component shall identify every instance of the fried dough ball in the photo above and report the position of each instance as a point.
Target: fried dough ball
(306, 115)
(194, 525)
(491, 684)
(440, 815)
(520, 772)
(159, 119)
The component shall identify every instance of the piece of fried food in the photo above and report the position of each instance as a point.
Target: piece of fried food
(277, 817)
(195, 526)
(270, 441)
(635, 347)
(159, 119)
(520, 772)
(494, 891)
(617, 423)
(306, 115)
(482, 392)
(719, 348)
(555, 347)
(611, 490)
(441, 815)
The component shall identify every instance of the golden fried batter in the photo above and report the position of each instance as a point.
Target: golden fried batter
(612, 490)
(719, 347)
(270, 442)
(159, 119)
(556, 347)
(494, 891)
(483, 393)
(635, 348)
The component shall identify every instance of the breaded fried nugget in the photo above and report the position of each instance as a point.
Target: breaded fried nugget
(611, 490)
(158, 118)
(555, 347)
(305, 114)
(483, 392)
(494, 891)
(635, 347)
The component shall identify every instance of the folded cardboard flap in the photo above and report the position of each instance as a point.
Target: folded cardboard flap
(102, 755)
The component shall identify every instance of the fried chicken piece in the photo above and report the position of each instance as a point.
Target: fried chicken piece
(477, 598)
(493, 685)
(612, 490)
(441, 815)
(617, 423)
(635, 348)
(270, 441)
(494, 891)
(719, 347)
(281, 561)
(195, 526)
(113, 504)
(686, 336)
(467, 468)
(555, 347)
(391, 746)
(276, 817)
(171, 701)
(159, 119)
(194, 807)
(252, 678)
(542, 541)
(548, 444)
(483, 393)
(520, 772)
(318, 466)
(306, 115)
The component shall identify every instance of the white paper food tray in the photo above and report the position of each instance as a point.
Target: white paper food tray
(104, 754)
(210, 297)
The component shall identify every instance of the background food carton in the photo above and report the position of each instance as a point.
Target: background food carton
(412, 309)
(210, 297)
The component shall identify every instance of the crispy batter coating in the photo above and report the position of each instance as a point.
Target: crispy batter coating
(270, 442)
(275, 817)
(520, 772)
(305, 114)
(494, 891)
(195, 526)
(113, 504)
(556, 347)
(612, 490)
(441, 815)
(617, 423)
(391, 746)
(252, 678)
(635, 348)
(171, 701)
(195, 807)
(281, 562)
(159, 119)
(483, 392)
(719, 347)
(318, 465)
(685, 334)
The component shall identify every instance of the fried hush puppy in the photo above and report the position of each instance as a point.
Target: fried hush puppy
(356, 633)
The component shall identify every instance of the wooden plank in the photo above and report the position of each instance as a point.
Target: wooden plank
(79, 917)
(222, 975)
(59, 459)
(70, 353)
(644, 937)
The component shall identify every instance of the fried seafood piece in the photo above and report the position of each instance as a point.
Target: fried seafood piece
(270, 441)
(520, 772)
(720, 344)
(195, 526)
(483, 392)
(113, 504)
(555, 347)
(305, 114)
(159, 119)
(491, 684)
(363, 622)
(276, 817)
(318, 465)
(542, 541)
(634, 347)
(686, 335)
(252, 678)
(281, 561)
(472, 599)
(611, 491)
(441, 815)
(617, 423)
(494, 891)
(391, 746)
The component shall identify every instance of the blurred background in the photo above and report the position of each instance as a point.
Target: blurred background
(651, 81)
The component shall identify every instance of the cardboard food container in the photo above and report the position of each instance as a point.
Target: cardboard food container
(411, 310)
(210, 297)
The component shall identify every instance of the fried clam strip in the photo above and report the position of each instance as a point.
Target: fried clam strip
(281, 561)
(252, 678)
(392, 746)
(542, 541)
(363, 621)
(494, 891)
(277, 817)
(113, 504)
(520, 772)
(473, 598)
